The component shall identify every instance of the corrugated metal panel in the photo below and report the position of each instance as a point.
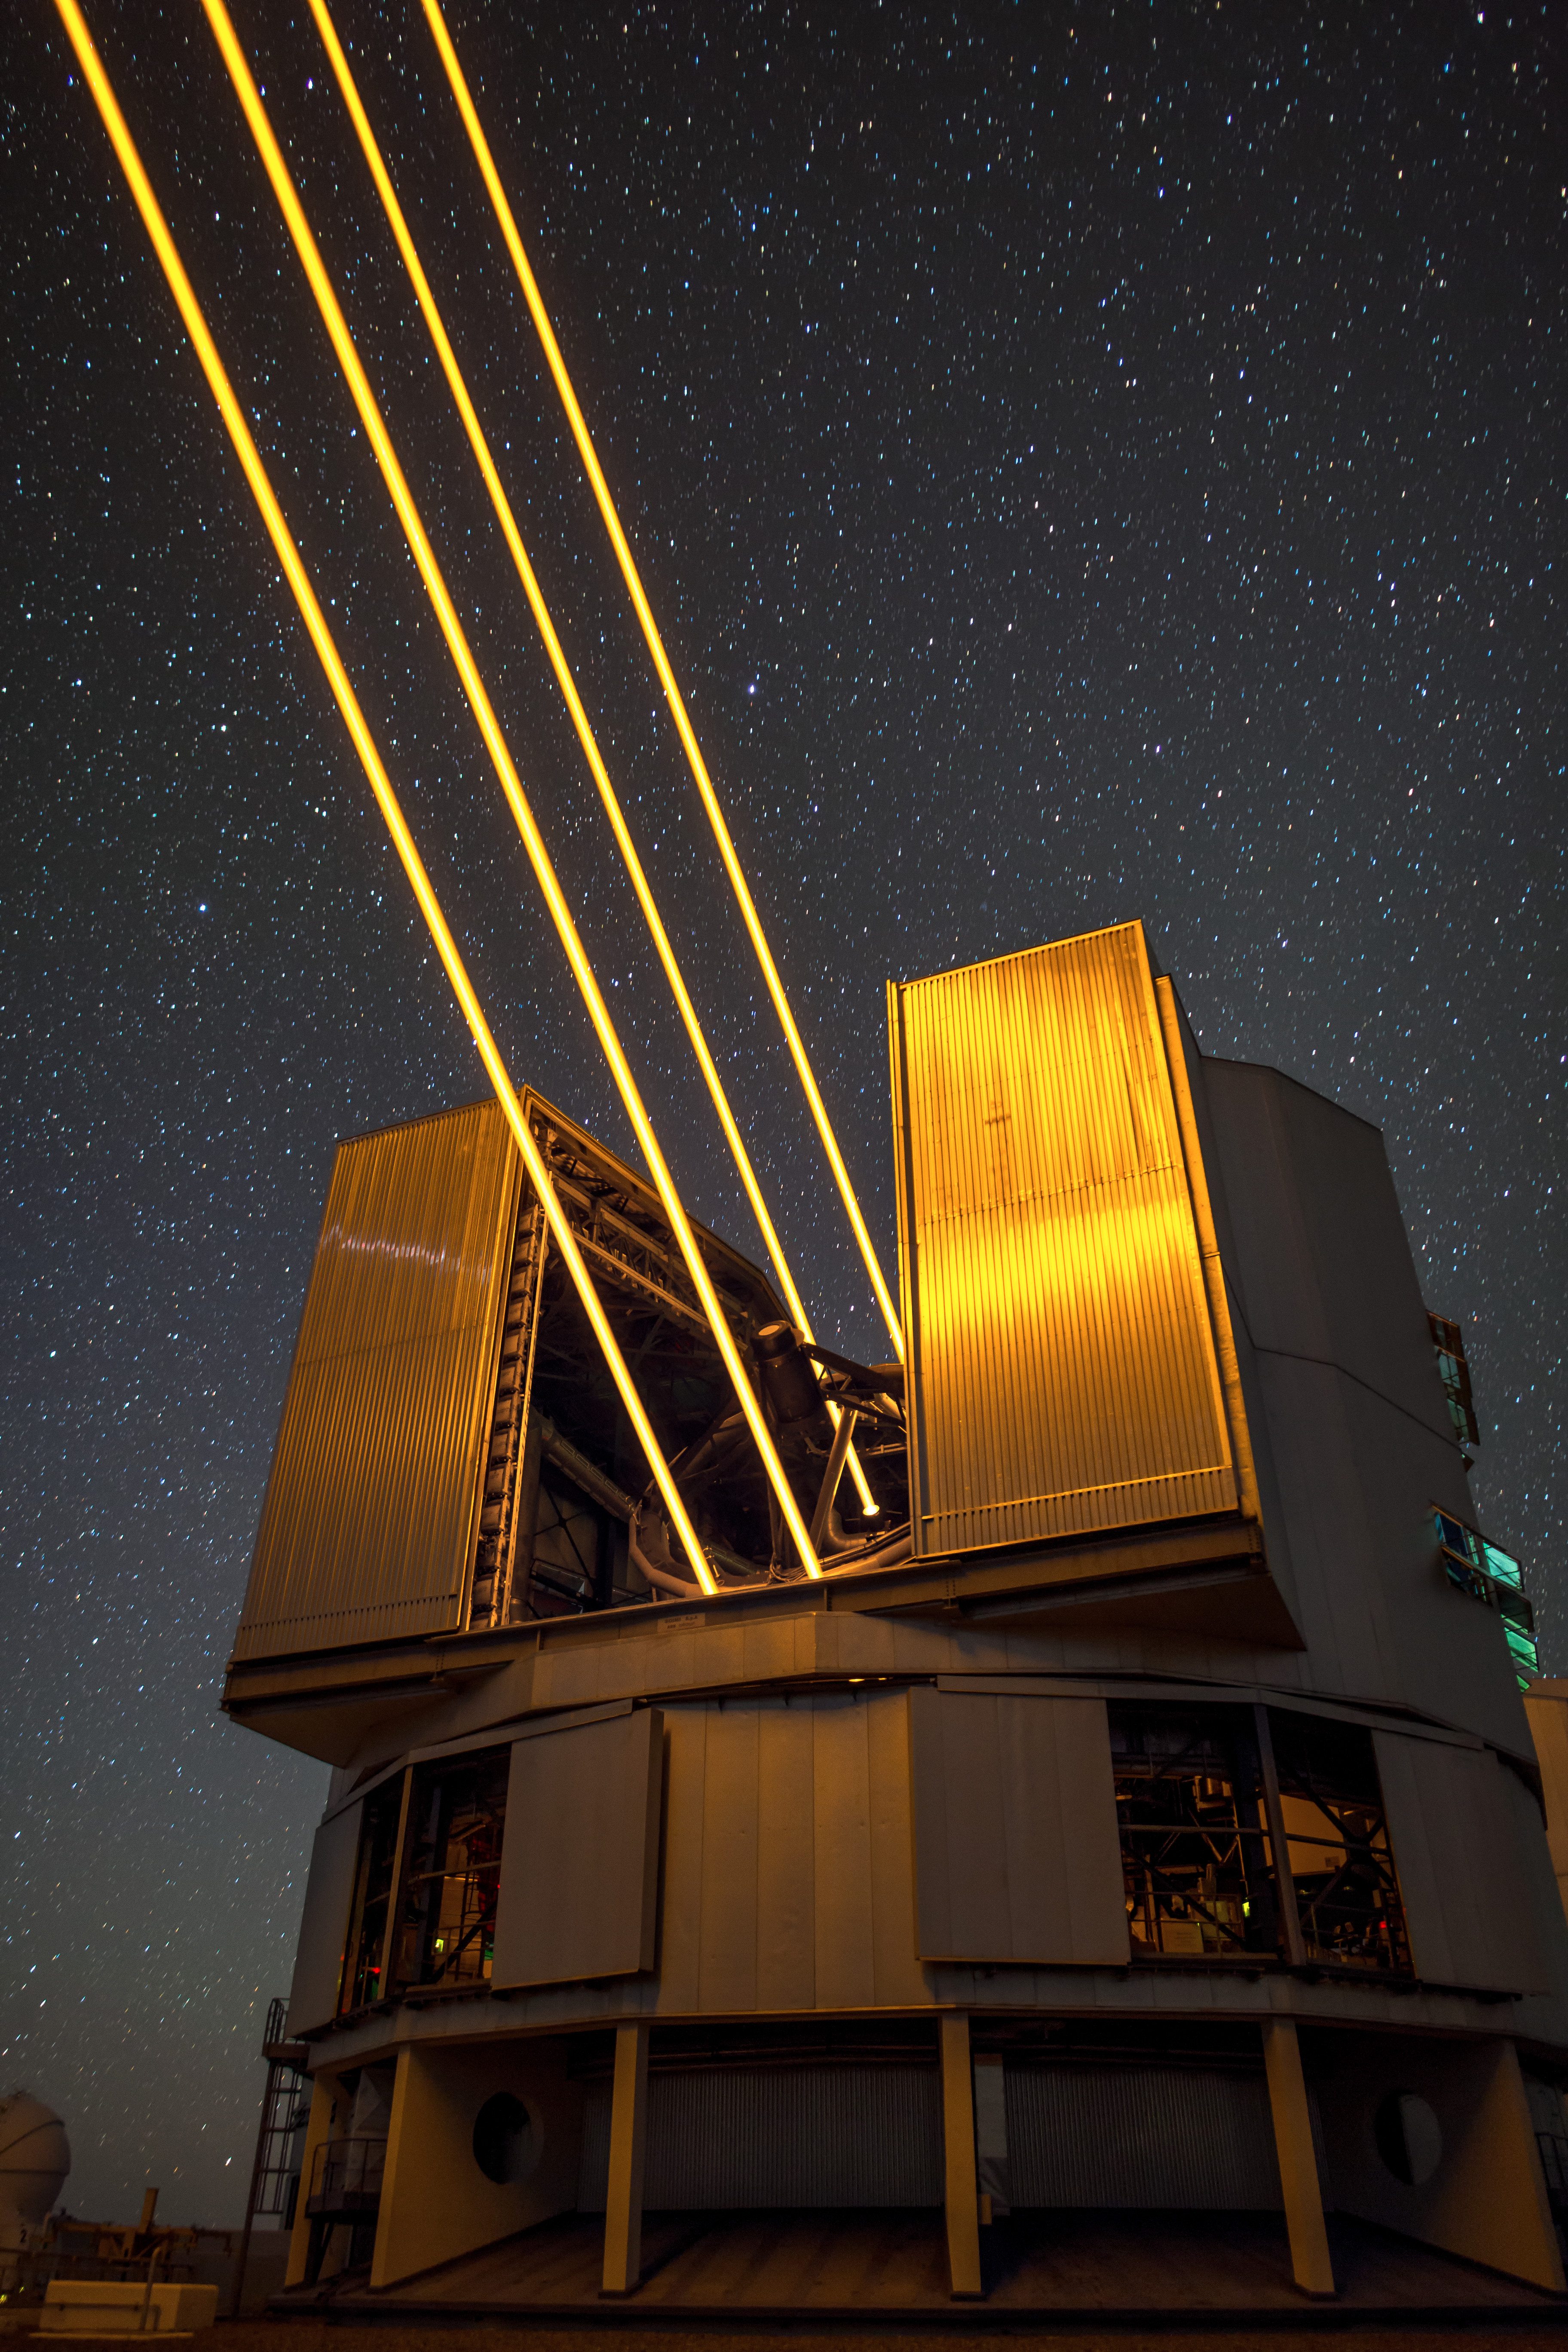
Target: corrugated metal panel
(788, 1861)
(1465, 1872)
(319, 1955)
(727, 2137)
(579, 1875)
(369, 1523)
(1063, 1368)
(1139, 2136)
(1017, 1853)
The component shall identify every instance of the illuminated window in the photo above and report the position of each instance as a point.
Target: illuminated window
(1341, 1867)
(373, 1895)
(1198, 1861)
(1195, 1840)
(1487, 1573)
(444, 1929)
(448, 1875)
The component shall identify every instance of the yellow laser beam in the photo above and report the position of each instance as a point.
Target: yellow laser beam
(299, 580)
(478, 443)
(305, 245)
(644, 611)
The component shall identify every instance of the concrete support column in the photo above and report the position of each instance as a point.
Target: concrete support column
(1298, 2159)
(1435, 2138)
(440, 2193)
(403, 2157)
(958, 2139)
(628, 2129)
(317, 2130)
(1510, 2160)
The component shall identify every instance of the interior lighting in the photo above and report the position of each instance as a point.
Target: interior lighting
(644, 611)
(478, 443)
(299, 580)
(511, 783)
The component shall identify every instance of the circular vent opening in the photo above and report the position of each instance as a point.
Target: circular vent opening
(1409, 2137)
(505, 2140)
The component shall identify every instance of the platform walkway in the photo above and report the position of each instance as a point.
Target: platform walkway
(1052, 2268)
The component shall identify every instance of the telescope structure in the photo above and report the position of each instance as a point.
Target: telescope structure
(1139, 1813)
(1079, 1766)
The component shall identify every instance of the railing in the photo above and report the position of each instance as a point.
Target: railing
(345, 2180)
(285, 2111)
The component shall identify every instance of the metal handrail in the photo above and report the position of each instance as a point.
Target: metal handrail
(346, 2179)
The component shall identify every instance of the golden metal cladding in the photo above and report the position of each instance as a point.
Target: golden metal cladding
(368, 1527)
(1063, 1368)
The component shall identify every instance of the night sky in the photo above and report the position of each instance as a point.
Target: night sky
(1088, 464)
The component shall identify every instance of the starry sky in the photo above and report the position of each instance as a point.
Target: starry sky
(1088, 463)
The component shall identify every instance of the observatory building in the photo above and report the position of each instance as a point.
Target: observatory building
(1139, 1813)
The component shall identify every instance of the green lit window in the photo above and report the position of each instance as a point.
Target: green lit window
(1501, 1564)
(1487, 1573)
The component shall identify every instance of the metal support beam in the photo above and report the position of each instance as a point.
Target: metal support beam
(394, 1892)
(628, 2129)
(958, 2138)
(836, 1456)
(1280, 1844)
(1298, 2159)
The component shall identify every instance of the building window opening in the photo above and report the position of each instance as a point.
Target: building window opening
(366, 1949)
(451, 1872)
(1480, 1567)
(1194, 1843)
(565, 1479)
(1342, 1865)
(1454, 1373)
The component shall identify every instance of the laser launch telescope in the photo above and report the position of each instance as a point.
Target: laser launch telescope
(1139, 1813)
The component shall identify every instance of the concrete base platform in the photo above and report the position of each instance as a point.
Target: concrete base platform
(1057, 2268)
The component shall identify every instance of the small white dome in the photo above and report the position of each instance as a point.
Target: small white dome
(35, 2157)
